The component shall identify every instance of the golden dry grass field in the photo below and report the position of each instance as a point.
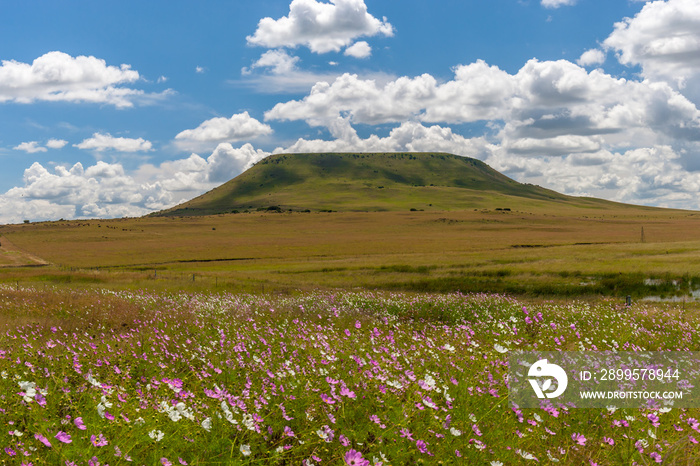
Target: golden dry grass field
(572, 250)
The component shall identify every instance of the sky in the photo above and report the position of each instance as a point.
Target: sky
(121, 108)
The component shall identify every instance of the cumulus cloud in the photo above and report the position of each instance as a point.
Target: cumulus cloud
(107, 190)
(56, 143)
(217, 130)
(542, 100)
(57, 76)
(359, 49)
(322, 27)
(277, 71)
(277, 61)
(408, 137)
(664, 39)
(105, 141)
(31, 147)
(591, 57)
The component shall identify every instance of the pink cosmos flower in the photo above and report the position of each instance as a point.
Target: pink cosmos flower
(165, 462)
(79, 423)
(423, 447)
(354, 458)
(63, 437)
(655, 456)
(327, 399)
(100, 441)
(344, 441)
(476, 430)
(654, 419)
(608, 440)
(344, 391)
(579, 439)
(405, 433)
(42, 439)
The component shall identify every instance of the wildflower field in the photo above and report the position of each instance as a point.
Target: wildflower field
(97, 377)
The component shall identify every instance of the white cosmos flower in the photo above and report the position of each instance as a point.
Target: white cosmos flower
(455, 432)
(526, 455)
(245, 449)
(156, 435)
(499, 348)
(206, 424)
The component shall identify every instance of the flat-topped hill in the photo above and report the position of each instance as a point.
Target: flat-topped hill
(371, 182)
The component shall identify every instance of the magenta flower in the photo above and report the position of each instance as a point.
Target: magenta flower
(63, 437)
(354, 458)
(344, 441)
(288, 432)
(344, 391)
(655, 456)
(39, 398)
(10, 451)
(654, 419)
(579, 439)
(327, 399)
(79, 423)
(608, 440)
(42, 439)
(476, 430)
(423, 447)
(100, 441)
(165, 462)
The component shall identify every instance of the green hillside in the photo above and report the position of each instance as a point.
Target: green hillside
(371, 182)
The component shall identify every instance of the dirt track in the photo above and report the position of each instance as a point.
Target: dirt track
(12, 256)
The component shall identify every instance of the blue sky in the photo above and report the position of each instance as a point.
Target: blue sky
(112, 109)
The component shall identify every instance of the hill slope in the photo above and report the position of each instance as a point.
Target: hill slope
(371, 182)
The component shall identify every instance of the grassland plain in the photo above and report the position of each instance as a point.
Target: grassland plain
(96, 377)
(567, 251)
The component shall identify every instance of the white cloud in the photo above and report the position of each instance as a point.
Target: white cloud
(591, 57)
(664, 39)
(409, 136)
(322, 27)
(31, 147)
(359, 49)
(56, 143)
(276, 71)
(57, 76)
(102, 142)
(199, 70)
(106, 190)
(278, 61)
(543, 100)
(240, 126)
(557, 3)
